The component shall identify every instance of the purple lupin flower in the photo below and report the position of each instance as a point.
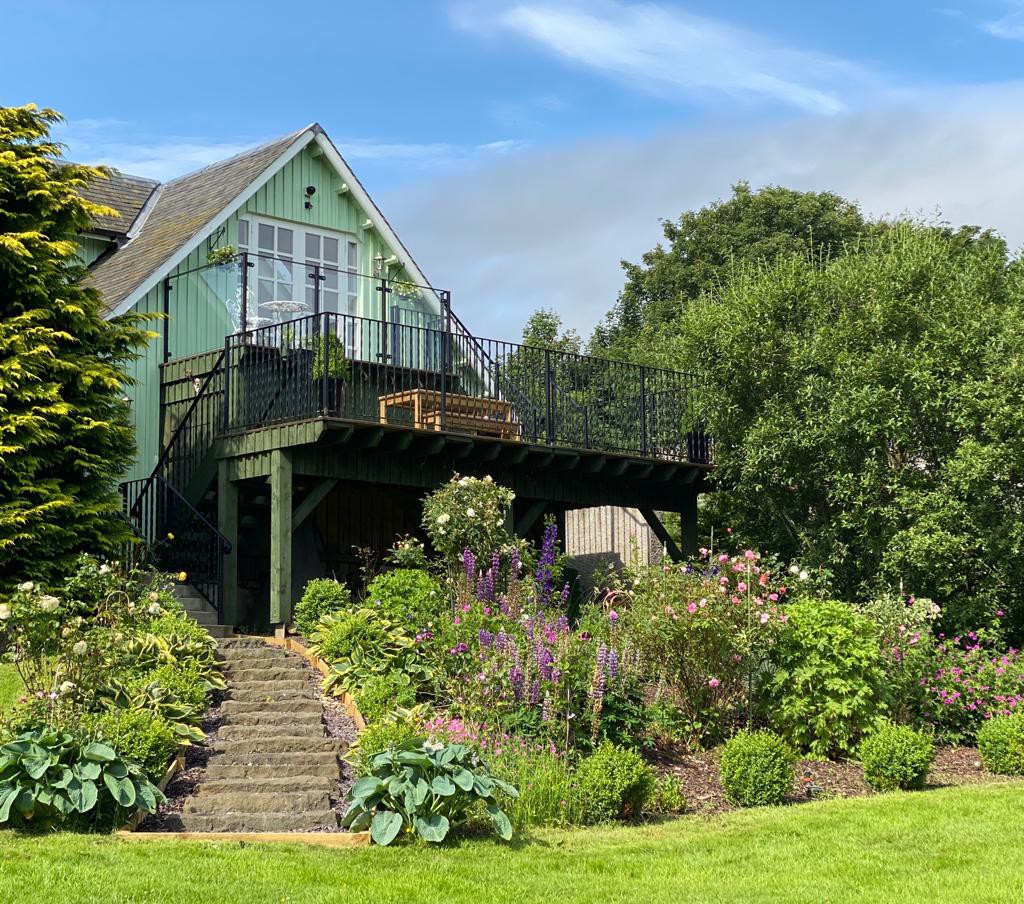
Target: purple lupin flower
(545, 575)
(486, 638)
(535, 692)
(613, 664)
(564, 599)
(469, 563)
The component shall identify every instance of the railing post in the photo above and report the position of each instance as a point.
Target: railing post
(325, 348)
(643, 410)
(446, 304)
(167, 321)
(384, 290)
(549, 400)
(227, 384)
(244, 314)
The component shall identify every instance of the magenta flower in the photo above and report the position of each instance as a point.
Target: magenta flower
(713, 682)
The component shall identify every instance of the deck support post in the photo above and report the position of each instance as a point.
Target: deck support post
(227, 524)
(651, 517)
(529, 517)
(280, 538)
(688, 522)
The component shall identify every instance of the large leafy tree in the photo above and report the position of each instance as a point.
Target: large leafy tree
(866, 414)
(65, 436)
(705, 246)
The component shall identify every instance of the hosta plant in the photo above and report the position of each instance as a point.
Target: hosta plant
(424, 788)
(50, 778)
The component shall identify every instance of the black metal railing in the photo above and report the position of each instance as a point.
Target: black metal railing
(432, 377)
(178, 537)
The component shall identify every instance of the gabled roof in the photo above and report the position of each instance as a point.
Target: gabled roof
(183, 212)
(126, 194)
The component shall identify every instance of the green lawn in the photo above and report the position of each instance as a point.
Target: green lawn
(947, 845)
(10, 686)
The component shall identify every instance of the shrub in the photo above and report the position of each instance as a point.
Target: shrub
(827, 686)
(756, 769)
(186, 682)
(381, 694)
(467, 513)
(322, 596)
(377, 738)
(613, 783)
(896, 757)
(1001, 744)
(51, 779)
(427, 789)
(407, 595)
(666, 796)
(136, 735)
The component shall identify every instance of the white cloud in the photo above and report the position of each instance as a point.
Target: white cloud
(668, 51)
(548, 228)
(431, 155)
(1010, 25)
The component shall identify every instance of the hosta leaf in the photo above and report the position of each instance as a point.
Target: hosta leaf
(145, 799)
(384, 827)
(361, 821)
(117, 769)
(510, 790)
(98, 753)
(36, 767)
(365, 787)
(7, 798)
(442, 785)
(25, 803)
(463, 778)
(500, 821)
(122, 789)
(82, 795)
(420, 791)
(432, 828)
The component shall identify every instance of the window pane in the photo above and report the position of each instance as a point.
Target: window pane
(265, 267)
(266, 237)
(330, 279)
(284, 241)
(330, 250)
(265, 291)
(353, 255)
(312, 246)
(243, 233)
(329, 302)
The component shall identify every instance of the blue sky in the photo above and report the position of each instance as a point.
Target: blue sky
(523, 148)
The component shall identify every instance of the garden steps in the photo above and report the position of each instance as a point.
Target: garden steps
(200, 611)
(271, 767)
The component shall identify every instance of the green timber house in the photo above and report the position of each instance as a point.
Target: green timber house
(308, 386)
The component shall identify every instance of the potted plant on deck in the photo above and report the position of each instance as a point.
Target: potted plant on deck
(331, 364)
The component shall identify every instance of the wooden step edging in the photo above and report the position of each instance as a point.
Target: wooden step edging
(313, 839)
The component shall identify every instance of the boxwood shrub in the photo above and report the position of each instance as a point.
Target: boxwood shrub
(756, 769)
(613, 783)
(896, 757)
(1001, 744)
(137, 735)
(406, 595)
(321, 597)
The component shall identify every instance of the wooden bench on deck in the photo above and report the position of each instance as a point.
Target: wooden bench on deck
(462, 413)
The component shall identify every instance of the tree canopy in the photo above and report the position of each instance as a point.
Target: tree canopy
(705, 246)
(65, 436)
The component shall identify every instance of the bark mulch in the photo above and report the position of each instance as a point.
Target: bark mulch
(698, 776)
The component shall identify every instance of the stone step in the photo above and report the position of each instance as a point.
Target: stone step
(233, 732)
(306, 718)
(251, 643)
(280, 744)
(204, 617)
(248, 659)
(270, 672)
(194, 604)
(272, 694)
(212, 803)
(290, 784)
(325, 774)
(276, 686)
(285, 821)
(289, 760)
(219, 630)
(235, 708)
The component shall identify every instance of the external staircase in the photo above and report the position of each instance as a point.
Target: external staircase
(198, 608)
(272, 768)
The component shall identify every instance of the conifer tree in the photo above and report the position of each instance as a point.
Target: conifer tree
(65, 436)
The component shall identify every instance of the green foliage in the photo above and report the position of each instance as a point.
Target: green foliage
(427, 789)
(826, 689)
(378, 737)
(381, 694)
(407, 552)
(1001, 744)
(666, 795)
(756, 769)
(548, 790)
(707, 246)
(406, 595)
(613, 783)
(865, 418)
(50, 779)
(338, 366)
(138, 736)
(896, 757)
(67, 435)
(467, 513)
(322, 596)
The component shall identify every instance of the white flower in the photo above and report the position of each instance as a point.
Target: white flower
(26, 587)
(487, 479)
(803, 575)
(48, 603)
(65, 631)
(793, 569)
(104, 568)
(463, 481)
(154, 609)
(5, 612)
(67, 687)
(154, 596)
(471, 512)
(80, 648)
(444, 518)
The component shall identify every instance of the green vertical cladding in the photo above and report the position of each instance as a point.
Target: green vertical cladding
(91, 247)
(200, 315)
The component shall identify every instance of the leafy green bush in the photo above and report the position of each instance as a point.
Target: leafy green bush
(50, 779)
(827, 687)
(548, 789)
(896, 757)
(186, 682)
(613, 783)
(467, 513)
(321, 597)
(407, 595)
(381, 694)
(756, 769)
(424, 788)
(138, 736)
(1001, 744)
(666, 796)
(377, 738)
